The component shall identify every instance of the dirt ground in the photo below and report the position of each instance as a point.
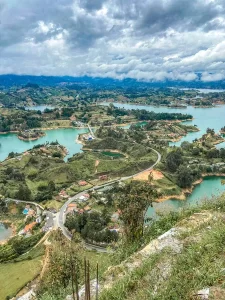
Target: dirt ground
(156, 175)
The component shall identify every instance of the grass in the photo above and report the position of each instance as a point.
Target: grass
(103, 260)
(166, 187)
(14, 276)
(53, 203)
(56, 123)
(199, 264)
(122, 288)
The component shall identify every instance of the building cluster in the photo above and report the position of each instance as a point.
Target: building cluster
(33, 216)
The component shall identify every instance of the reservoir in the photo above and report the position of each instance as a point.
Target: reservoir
(67, 137)
(210, 188)
(39, 107)
(213, 117)
(5, 232)
(203, 117)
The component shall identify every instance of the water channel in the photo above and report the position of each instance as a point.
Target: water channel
(213, 117)
(204, 118)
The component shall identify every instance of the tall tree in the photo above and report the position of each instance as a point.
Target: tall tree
(133, 200)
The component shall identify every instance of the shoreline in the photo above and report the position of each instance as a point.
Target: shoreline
(86, 127)
(13, 228)
(145, 104)
(186, 192)
(30, 139)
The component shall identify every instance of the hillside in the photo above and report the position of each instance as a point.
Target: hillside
(185, 262)
(181, 257)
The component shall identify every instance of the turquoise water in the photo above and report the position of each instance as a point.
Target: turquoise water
(204, 118)
(5, 232)
(204, 91)
(67, 137)
(208, 189)
(39, 107)
(213, 117)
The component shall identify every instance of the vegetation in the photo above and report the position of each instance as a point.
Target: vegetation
(30, 135)
(92, 227)
(134, 199)
(41, 174)
(17, 246)
(142, 114)
(199, 262)
(15, 275)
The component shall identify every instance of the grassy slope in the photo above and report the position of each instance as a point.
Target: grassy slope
(172, 276)
(13, 276)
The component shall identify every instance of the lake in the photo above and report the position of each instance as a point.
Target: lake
(67, 137)
(204, 118)
(39, 107)
(5, 232)
(209, 188)
(213, 117)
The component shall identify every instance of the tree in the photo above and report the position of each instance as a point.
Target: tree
(186, 145)
(64, 267)
(196, 151)
(133, 200)
(174, 160)
(51, 186)
(210, 131)
(23, 193)
(11, 154)
(3, 207)
(184, 177)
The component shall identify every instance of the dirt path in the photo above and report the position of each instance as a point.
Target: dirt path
(47, 258)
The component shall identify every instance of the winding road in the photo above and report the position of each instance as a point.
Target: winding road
(57, 220)
(60, 217)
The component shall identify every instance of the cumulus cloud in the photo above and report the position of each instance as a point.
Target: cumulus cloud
(147, 40)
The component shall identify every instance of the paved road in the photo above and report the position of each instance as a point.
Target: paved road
(23, 201)
(49, 224)
(60, 218)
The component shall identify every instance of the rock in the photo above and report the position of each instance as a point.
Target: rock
(28, 296)
(203, 294)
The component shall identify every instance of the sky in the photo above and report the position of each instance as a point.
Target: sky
(148, 40)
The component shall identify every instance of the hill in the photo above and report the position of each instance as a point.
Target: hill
(9, 80)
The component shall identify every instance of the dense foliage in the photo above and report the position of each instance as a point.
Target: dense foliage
(133, 200)
(92, 227)
(17, 246)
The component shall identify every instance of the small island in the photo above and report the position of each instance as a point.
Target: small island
(30, 135)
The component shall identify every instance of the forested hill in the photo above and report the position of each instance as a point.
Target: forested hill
(14, 80)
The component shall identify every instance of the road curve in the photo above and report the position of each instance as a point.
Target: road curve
(28, 202)
(49, 224)
(61, 214)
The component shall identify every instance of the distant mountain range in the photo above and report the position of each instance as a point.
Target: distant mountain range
(97, 82)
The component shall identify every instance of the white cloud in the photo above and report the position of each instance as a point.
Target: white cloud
(167, 40)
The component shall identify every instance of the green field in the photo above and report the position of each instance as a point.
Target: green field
(13, 276)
